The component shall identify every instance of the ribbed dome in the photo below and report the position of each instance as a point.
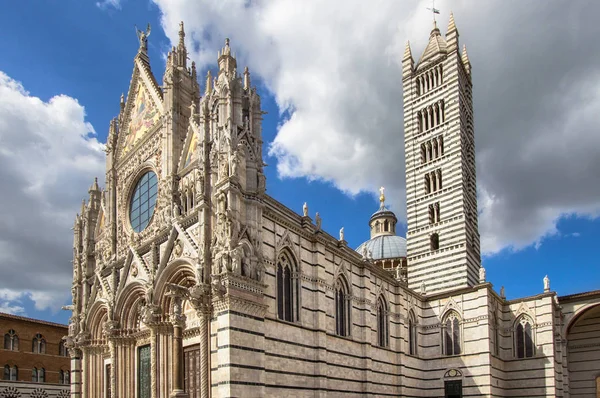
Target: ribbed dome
(385, 247)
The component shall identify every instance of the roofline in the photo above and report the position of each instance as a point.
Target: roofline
(38, 321)
(576, 296)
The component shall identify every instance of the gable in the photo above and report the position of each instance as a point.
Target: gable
(190, 153)
(143, 114)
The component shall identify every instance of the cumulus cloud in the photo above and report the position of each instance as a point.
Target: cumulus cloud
(334, 70)
(48, 156)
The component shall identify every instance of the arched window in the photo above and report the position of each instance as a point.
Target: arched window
(383, 333)
(11, 373)
(431, 214)
(38, 345)
(451, 333)
(65, 377)
(434, 241)
(429, 152)
(436, 212)
(524, 338)
(62, 349)
(412, 333)
(342, 308)
(496, 326)
(34, 375)
(287, 289)
(427, 184)
(11, 341)
(418, 81)
(441, 145)
(386, 226)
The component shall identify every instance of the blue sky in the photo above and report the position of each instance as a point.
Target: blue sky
(331, 87)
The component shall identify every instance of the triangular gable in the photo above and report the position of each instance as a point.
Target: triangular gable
(190, 148)
(143, 108)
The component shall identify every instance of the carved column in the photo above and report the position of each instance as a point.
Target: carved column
(204, 353)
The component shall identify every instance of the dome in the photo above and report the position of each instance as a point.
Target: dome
(385, 247)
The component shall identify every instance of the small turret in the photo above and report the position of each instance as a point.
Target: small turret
(227, 63)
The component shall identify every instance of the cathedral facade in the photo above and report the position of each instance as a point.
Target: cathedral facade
(190, 281)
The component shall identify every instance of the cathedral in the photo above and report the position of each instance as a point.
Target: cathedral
(190, 281)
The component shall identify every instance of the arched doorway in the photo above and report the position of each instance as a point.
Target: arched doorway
(583, 351)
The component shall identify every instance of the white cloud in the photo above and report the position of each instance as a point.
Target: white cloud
(104, 4)
(334, 66)
(48, 156)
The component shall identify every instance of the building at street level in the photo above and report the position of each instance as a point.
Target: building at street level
(190, 281)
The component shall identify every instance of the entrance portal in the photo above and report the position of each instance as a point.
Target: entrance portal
(453, 389)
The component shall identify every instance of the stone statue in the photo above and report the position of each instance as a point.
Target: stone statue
(481, 275)
(236, 260)
(546, 284)
(318, 220)
(342, 234)
(235, 162)
(149, 294)
(305, 210)
(223, 167)
(423, 288)
(502, 292)
(143, 36)
(365, 253)
(262, 182)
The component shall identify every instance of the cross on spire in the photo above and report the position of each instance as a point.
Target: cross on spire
(433, 10)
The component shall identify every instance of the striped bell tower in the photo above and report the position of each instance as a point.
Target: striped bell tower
(442, 237)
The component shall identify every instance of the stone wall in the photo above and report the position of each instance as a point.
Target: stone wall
(17, 389)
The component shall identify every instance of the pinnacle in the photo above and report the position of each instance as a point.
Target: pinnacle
(407, 51)
(451, 24)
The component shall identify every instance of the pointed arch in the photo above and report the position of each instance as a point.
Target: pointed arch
(127, 304)
(287, 286)
(383, 329)
(97, 315)
(412, 333)
(179, 272)
(452, 333)
(342, 300)
(523, 331)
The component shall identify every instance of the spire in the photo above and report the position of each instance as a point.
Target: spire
(82, 211)
(437, 45)
(452, 34)
(122, 102)
(208, 89)
(181, 50)
(407, 51)
(246, 79)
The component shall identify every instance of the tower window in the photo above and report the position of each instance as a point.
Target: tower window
(434, 241)
(427, 184)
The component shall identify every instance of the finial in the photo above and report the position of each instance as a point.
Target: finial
(122, 102)
(208, 88)
(382, 197)
(226, 49)
(194, 73)
(246, 78)
(181, 32)
(94, 186)
(82, 207)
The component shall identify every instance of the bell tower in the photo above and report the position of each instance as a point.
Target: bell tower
(442, 237)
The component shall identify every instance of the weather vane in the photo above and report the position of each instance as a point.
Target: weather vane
(433, 9)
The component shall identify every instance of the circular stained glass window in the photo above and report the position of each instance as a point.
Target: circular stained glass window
(143, 201)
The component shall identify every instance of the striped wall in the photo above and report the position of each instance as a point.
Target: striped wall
(583, 345)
